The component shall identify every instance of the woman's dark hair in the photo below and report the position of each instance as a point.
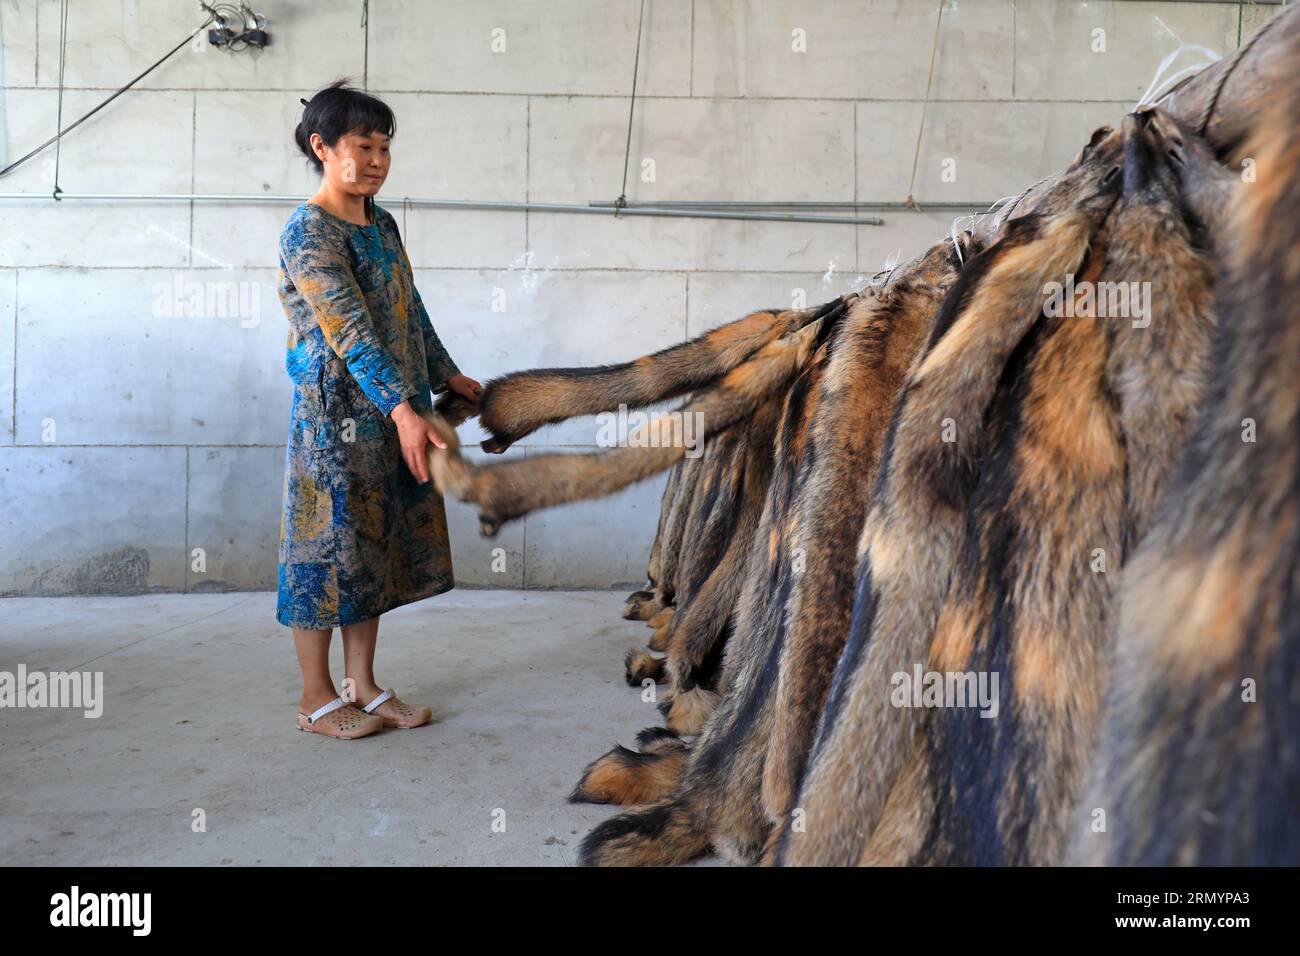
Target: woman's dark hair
(338, 110)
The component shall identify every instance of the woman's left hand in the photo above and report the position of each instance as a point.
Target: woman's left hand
(465, 386)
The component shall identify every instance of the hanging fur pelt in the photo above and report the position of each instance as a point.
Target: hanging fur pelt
(1200, 757)
(1052, 476)
(516, 405)
(995, 562)
(728, 496)
(792, 616)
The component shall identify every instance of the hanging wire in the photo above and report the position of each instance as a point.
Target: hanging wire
(925, 104)
(64, 132)
(58, 123)
(365, 54)
(631, 107)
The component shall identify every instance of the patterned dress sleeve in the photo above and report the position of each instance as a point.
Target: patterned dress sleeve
(441, 366)
(322, 274)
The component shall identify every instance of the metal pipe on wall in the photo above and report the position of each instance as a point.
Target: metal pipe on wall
(493, 206)
(766, 204)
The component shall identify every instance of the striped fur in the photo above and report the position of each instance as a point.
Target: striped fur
(916, 517)
(634, 776)
(517, 404)
(726, 511)
(669, 830)
(822, 551)
(511, 490)
(674, 545)
(1193, 770)
(644, 604)
(818, 450)
(1093, 420)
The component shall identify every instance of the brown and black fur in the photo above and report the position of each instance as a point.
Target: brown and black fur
(1096, 438)
(916, 521)
(869, 362)
(700, 626)
(675, 557)
(727, 511)
(1079, 439)
(1191, 772)
(979, 555)
(703, 521)
(511, 490)
(677, 547)
(831, 429)
(674, 544)
(673, 829)
(646, 603)
(626, 776)
(729, 508)
(721, 510)
(519, 403)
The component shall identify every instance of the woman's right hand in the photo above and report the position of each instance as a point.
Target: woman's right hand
(415, 433)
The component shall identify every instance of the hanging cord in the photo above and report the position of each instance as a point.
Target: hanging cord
(365, 56)
(58, 122)
(621, 202)
(1160, 81)
(63, 132)
(925, 105)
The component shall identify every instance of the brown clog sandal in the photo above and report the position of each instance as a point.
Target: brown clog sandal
(339, 719)
(396, 713)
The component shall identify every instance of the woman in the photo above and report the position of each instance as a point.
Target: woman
(363, 529)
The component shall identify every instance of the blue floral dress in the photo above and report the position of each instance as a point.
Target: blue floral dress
(359, 535)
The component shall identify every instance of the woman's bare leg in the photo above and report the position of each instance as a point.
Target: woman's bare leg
(313, 648)
(359, 642)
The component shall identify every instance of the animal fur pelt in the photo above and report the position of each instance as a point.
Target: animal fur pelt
(510, 490)
(730, 503)
(730, 494)
(728, 499)
(1200, 760)
(667, 831)
(916, 519)
(644, 604)
(1037, 517)
(973, 471)
(832, 426)
(517, 404)
(672, 544)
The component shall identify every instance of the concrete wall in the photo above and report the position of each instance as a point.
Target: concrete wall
(136, 427)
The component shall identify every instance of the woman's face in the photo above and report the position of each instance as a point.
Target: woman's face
(357, 163)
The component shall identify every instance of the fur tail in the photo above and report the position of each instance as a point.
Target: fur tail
(640, 665)
(455, 408)
(641, 606)
(658, 835)
(625, 776)
(513, 489)
(518, 404)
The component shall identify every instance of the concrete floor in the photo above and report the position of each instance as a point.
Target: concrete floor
(200, 697)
